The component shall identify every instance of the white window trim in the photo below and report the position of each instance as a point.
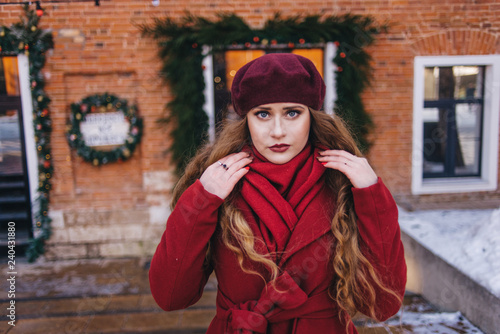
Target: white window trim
(208, 92)
(489, 154)
(330, 80)
(208, 73)
(29, 131)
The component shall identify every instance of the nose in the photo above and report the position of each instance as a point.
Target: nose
(278, 129)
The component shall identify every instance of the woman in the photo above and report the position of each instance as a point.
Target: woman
(300, 231)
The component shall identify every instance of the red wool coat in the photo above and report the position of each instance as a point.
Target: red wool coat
(299, 302)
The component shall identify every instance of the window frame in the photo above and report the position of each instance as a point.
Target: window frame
(487, 181)
(329, 68)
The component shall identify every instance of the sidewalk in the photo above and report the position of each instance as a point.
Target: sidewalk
(112, 296)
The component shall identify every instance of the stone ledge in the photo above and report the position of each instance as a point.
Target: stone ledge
(448, 288)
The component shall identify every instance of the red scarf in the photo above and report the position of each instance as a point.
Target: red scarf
(273, 197)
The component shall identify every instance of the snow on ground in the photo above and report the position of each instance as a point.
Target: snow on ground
(425, 323)
(417, 316)
(467, 239)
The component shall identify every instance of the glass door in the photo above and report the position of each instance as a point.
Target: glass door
(15, 206)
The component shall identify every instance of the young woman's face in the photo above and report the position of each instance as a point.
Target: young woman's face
(279, 131)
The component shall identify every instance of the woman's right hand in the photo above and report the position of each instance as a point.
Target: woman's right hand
(220, 180)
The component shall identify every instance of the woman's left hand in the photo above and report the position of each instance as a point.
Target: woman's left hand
(357, 169)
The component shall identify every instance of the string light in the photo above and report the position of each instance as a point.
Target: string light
(39, 9)
(96, 2)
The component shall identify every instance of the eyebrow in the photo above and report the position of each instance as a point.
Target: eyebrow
(294, 107)
(286, 108)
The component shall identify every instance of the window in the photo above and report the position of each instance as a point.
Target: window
(221, 66)
(455, 137)
(452, 120)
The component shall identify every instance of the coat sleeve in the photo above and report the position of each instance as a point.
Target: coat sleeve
(381, 243)
(177, 274)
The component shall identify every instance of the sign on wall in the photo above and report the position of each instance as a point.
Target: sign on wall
(103, 129)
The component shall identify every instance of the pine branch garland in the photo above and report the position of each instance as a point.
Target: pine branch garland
(180, 50)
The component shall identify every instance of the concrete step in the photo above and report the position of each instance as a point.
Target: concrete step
(9, 185)
(14, 216)
(13, 200)
(92, 305)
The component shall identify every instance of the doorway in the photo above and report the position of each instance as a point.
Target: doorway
(15, 197)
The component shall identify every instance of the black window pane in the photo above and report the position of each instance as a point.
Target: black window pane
(468, 82)
(453, 82)
(434, 142)
(468, 118)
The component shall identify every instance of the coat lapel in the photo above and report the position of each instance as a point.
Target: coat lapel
(314, 223)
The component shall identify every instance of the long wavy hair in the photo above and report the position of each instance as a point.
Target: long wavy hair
(356, 280)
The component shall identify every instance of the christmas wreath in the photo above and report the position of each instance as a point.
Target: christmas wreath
(103, 103)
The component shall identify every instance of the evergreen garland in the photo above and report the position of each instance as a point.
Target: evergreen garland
(103, 103)
(180, 48)
(27, 38)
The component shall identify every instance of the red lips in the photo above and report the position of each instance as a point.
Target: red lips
(279, 147)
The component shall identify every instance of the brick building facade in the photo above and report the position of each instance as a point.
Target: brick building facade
(120, 209)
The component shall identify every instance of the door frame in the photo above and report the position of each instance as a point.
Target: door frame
(29, 131)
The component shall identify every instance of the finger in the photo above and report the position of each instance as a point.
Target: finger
(340, 153)
(358, 172)
(230, 180)
(233, 158)
(236, 166)
(339, 159)
(338, 165)
(236, 176)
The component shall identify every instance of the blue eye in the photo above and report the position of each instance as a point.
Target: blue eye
(293, 113)
(262, 114)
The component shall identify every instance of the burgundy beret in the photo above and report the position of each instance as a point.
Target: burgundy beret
(277, 77)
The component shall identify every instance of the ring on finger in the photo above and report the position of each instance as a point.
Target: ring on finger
(223, 165)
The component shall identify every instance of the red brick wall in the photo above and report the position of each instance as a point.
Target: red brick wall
(100, 49)
(390, 99)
